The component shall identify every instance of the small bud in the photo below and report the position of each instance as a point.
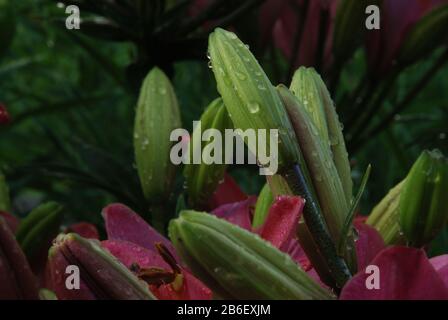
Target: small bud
(202, 179)
(249, 96)
(385, 217)
(157, 115)
(423, 209)
(102, 275)
(239, 264)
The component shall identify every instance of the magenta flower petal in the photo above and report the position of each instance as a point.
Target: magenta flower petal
(124, 224)
(129, 253)
(368, 245)
(405, 273)
(238, 213)
(440, 263)
(227, 192)
(84, 229)
(281, 223)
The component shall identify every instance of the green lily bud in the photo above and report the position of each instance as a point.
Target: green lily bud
(103, 275)
(16, 278)
(39, 228)
(202, 179)
(385, 217)
(264, 202)
(249, 96)
(157, 115)
(423, 210)
(319, 162)
(323, 175)
(5, 204)
(239, 264)
(309, 88)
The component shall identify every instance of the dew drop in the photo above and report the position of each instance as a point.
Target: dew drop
(254, 107)
(162, 91)
(240, 75)
(209, 64)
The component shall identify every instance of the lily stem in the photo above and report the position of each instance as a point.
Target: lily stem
(313, 217)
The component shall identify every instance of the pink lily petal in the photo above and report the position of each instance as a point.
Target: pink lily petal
(440, 263)
(129, 253)
(238, 213)
(283, 217)
(124, 224)
(295, 251)
(84, 229)
(11, 220)
(368, 245)
(227, 192)
(405, 274)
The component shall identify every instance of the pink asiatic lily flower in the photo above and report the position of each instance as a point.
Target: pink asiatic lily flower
(133, 242)
(405, 273)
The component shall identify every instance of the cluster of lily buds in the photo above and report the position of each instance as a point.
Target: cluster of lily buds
(309, 136)
(414, 211)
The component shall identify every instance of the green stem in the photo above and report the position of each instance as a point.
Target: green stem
(313, 217)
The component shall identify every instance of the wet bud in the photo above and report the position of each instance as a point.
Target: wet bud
(385, 217)
(5, 204)
(203, 178)
(102, 276)
(16, 279)
(36, 231)
(423, 209)
(249, 96)
(157, 115)
(264, 202)
(309, 88)
(323, 177)
(239, 264)
(319, 162)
